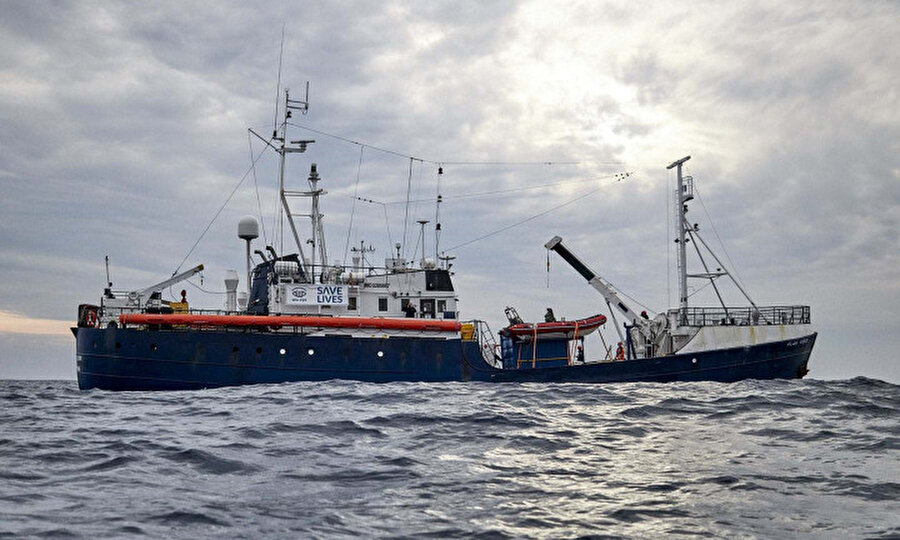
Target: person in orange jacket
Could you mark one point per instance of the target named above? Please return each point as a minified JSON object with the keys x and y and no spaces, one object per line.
{"x":620,"y":352}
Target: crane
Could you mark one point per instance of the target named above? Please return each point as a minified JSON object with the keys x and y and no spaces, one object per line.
{"x":171,"y":281}
{"x":597,"y":282}
{"x":651,"y":333}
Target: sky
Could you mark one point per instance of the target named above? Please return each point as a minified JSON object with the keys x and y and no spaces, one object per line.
{"x":125,"y":130}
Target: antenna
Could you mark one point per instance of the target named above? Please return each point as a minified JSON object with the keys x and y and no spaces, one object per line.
{"x":362,"y":250}
{"x":437,"y":213}
{"x":108,"y":282}
{"x":422,"y":223}
{"x":278,"y":85}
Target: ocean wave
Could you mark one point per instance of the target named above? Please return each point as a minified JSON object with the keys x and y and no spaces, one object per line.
{"x":755,"y":458}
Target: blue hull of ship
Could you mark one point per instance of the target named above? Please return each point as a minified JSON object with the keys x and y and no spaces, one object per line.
{"x":131,"y":359}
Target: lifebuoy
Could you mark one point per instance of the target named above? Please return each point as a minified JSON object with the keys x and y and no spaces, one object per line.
{"x":91,"y":319}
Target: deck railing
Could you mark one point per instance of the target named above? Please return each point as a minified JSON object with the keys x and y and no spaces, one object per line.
{"x":743,"y":316}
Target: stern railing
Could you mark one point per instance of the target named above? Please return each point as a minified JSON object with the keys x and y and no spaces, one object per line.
{"x":743,"y":316}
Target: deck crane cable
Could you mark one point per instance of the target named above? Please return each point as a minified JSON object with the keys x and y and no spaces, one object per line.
{"x":535,"y":216}
{"x":216,"y":216}
{"x":353,"y":208}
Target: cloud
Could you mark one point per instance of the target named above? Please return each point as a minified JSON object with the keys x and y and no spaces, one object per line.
{"x":16,"y":323}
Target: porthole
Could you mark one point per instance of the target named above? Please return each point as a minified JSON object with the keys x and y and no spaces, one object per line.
{"x":259,"y":350}
{"x":693,"y":360}
{"x":118,"y":345}
{"x":281,"y":352}
{"x":380,"y":354}
{"x":310,"y":352}
{"x":153,"y":347}
{"x":234,"y":349}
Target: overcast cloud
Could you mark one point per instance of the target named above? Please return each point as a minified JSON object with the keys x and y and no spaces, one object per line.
{"x":125,"y":129}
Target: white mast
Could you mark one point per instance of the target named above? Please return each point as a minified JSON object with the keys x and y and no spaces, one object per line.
{"x":422,"y":223}
{"x":437,"y":215}
{"x":303,"y":107}
{"x":682,"y":196}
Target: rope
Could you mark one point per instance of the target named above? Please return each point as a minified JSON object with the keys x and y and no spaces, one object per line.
{"x":532,"y":218}
{"x":233,"y":191}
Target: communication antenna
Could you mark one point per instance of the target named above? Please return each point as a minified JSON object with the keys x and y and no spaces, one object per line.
{"x":422,"y":223}
{"x":278,"y":85}
{"x":362,"y":250}
{"x":437,"y":214}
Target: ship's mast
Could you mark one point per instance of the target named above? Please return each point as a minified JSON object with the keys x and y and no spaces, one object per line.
{"x":298,"y":146}
{"x":682,"y":196}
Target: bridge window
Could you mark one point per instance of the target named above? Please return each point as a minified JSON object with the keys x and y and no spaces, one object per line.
{"x":438,"y":280}
{"x":382,"y":304}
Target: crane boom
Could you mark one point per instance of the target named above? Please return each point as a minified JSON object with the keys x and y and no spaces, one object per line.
{"x":597,"y":282}
{"x":172,"y":280}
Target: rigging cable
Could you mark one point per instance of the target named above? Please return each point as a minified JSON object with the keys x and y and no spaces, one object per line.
{"x":406,"y":214}
{"x":189,"y":282}
{"x":713,"y":227}
{"x":233,"y":191}
{"x":387,"y":223}
{"x":668,"y":245}
{"x":353,"y":208}
{"x":511,"y":190}
{"x":256,"y":186}
{"x":278,"y":84}
{"x":532,"y":218}
{"x":626,"y":295}
{"x":438,"y":162}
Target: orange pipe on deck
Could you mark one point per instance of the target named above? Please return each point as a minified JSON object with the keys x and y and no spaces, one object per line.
{"x":378,"y":323}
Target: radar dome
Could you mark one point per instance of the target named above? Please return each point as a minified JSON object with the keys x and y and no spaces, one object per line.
{"x":248,"y":228}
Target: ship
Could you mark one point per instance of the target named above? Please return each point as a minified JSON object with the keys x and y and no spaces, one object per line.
{"x":303,"y":319}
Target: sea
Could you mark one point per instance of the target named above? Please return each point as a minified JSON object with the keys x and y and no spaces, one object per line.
{"x":337,"y":459}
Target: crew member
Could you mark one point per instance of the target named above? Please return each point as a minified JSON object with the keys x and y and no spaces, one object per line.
{"x":620,"y":352}
{"x":409,"y":309}
{"x":579,"y":354}
{"x":549,"y":316}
